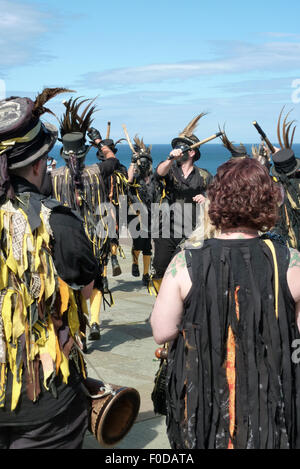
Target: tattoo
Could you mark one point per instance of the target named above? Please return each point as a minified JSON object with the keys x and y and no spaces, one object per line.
{"x":179,"y":262}
{"x":295,"y":258}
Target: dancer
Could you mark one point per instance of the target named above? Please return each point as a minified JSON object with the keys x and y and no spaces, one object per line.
{"x":82,"y":188}
{"x":142,"y":191}
{"x":182,"y":183}
{"x":47,"y":273}
{"x":228,"y":310}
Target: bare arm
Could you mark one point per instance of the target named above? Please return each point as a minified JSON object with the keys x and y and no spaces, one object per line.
{"x":168,"y":307}
{"x":293,"y":278}
{"x":165,"y":166}
{"x":107,"y":152}
{"x":131,"y":172}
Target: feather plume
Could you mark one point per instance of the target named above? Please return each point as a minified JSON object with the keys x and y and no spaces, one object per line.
{"x":43,"y":97}
{"x":140,"y":145}
{"x":72,"y":120}
{"x":189,"y":129}
{"x":285,"y":141}
{"x":234,"y":150}
{"x":225,"y":140}
{"x":255,"y":151}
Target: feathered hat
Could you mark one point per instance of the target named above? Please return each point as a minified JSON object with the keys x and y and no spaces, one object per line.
{"x":74,"y":126}
{"x":236,"y":151}
{"x":24,"y":138}
{"x":141,"y":149}
{"x":143,"y":152}
{"x":285,"y":162}
{"x":187,"y":137}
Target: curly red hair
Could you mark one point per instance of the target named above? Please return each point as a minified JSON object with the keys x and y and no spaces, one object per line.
{"x":243,"y":194}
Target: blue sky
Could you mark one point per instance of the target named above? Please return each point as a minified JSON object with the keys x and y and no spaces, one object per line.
{"x":154,"y":65}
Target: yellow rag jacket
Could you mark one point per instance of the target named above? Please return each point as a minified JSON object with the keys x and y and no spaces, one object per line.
{"x":34,"y":304}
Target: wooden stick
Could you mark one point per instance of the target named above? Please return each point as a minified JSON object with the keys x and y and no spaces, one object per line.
{"x":198,"y":144}
{"x":263,"y":136}
{"x":128,"y":139}
{"x":208,"y":139}
{"x":108,"y":130}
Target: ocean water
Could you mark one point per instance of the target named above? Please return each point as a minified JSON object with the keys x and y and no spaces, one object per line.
{"x":212,"y":155}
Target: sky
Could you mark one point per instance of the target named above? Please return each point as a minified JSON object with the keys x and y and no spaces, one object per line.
{"x":154,"y":65}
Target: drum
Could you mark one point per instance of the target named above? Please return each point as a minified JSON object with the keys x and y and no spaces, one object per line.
{"x":114,"y":410}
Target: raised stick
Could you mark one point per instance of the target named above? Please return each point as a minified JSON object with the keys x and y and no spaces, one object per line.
{"x":108,"y":130}
{"x":208,"y":139}
{"x":198,"y":144}
{"x":263,"y":136}
{"x":128,"y":139}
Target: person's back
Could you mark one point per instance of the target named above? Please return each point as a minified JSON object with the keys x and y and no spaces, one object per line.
{"x":235,"y":350}
{"x":47,"y":273}
{"x":231,"y":309}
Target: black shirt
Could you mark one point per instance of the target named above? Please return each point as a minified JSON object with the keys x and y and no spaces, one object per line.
{"x":179,"y":191}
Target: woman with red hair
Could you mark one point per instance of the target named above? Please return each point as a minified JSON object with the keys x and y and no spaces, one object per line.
{"x":230,"y":311}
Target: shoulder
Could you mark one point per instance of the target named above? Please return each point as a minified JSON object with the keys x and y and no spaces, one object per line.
{"x":293,"y":274}
{"x":58,"y":171}
{"x":294,"y":259}
{"x":207,"y":176}
{"x":61,"y":214}
{"x":177,"y":264}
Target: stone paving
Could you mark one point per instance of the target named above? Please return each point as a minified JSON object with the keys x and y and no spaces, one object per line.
{"x":125,"y":355}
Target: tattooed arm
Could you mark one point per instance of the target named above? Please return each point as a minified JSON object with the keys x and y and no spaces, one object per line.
{"x":293,"y":278}
{"x":168,"y":307}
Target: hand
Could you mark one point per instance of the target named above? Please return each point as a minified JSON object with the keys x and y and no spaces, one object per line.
{"x":94,"y":134}
{"x":199,"y":199}
{"x":176,"y":154}
{"x":276,"y":150}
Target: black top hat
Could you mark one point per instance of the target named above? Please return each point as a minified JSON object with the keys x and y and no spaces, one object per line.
{"x":74,"y":144}
{"x":285,"y":163}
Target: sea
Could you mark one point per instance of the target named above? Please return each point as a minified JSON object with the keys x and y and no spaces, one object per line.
{"x":212,"y":155}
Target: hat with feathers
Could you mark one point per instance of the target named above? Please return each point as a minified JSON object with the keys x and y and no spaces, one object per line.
{"x":24,"y":138}
{"x":236,"y":151}
{"x":187,"y":136}
{"x":285,"y":162}
{"x":74,"y":126}
{"x":141,"y":149}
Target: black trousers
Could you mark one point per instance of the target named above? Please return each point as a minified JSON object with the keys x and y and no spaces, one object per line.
{"x":142,"y":244}
{"x":164,"y":250}
{"x":64,"y":431}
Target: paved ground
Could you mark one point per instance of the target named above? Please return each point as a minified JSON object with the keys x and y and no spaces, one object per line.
{"x":125,"y":355}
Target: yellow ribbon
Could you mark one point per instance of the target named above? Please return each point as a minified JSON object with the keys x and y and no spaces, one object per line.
{"x":276,"y":277}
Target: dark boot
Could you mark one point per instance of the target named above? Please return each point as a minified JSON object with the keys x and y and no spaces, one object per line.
{"x":146,"y":279}
{"x":135,"y":270}
{"x":105,"y":284}
{"x":84,"y":347}
{"x":116,"y":269}
{"x":94,"y":332}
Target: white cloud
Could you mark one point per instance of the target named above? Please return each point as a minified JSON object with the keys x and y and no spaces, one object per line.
{"x":231,"y":57}
{"x":21,"y":26}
